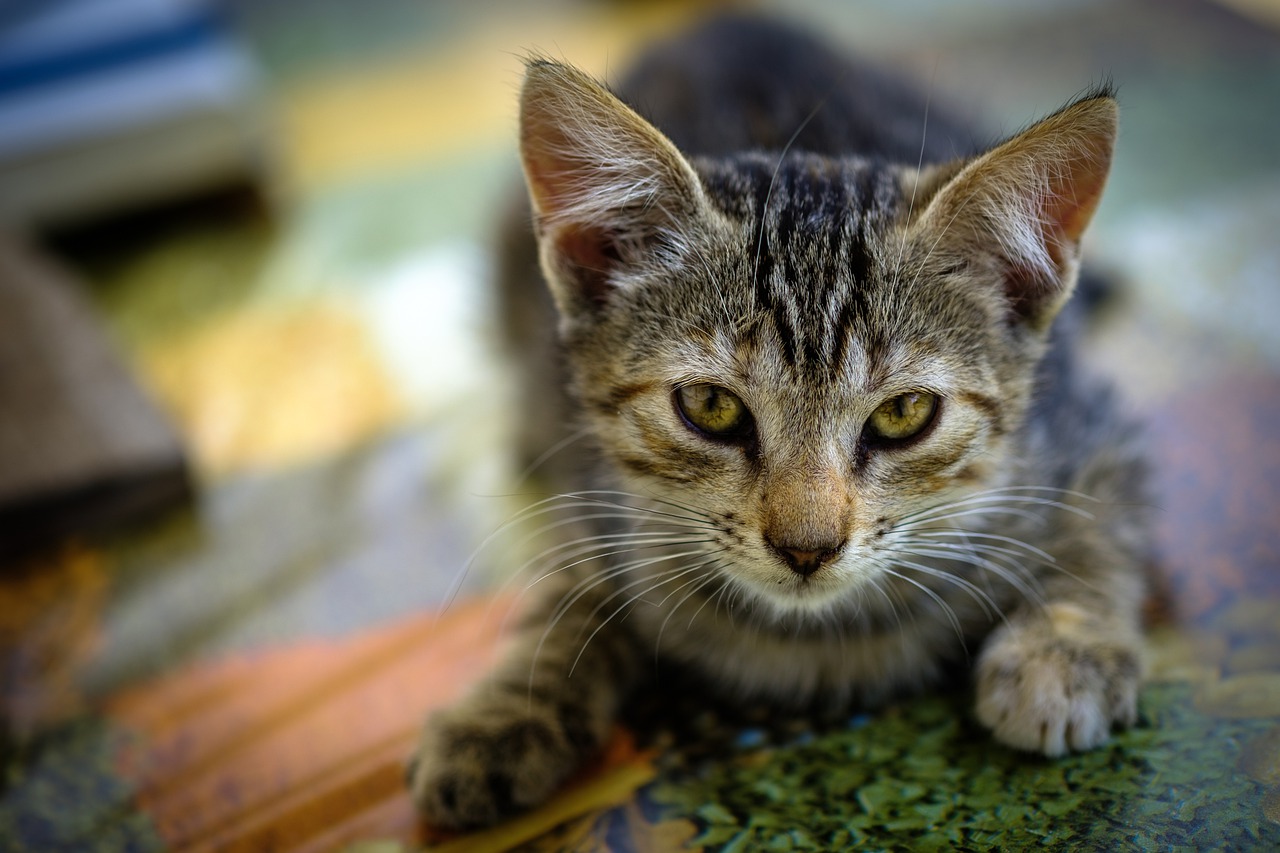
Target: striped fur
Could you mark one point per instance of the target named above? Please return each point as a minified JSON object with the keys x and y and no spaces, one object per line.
{"x":784,"y":231}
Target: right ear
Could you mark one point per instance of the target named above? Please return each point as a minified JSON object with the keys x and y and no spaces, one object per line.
{"x":608,"y":189}
{"x":1027,"y":203}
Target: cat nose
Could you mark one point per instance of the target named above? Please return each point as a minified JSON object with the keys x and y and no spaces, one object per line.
{"x":807,"y":559}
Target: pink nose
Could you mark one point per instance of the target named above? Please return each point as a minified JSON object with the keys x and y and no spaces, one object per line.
{"x":807,"y":559}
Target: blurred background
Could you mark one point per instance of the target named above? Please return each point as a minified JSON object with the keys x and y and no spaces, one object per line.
{"x":248,"y":387}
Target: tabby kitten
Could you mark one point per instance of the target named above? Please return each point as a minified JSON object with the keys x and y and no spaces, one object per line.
{"x":827,"y":435}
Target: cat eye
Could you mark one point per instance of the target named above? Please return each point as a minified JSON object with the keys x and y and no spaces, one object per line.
{"x":902,"y":417}
{"x":714,"y":411}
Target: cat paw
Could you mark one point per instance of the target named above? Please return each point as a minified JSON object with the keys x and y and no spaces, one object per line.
{"x":1057,"y":684}
{"x":477,"y":765}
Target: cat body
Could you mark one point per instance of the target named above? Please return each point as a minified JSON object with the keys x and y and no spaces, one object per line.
{"x":823,"y":439}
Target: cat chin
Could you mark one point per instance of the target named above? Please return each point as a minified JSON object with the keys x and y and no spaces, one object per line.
{"x":828,"y":595}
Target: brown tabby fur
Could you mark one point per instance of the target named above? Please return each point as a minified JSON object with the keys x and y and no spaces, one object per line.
{"x":793,"y":235}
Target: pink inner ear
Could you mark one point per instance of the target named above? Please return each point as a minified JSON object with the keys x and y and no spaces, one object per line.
{"x":559,"y":167}
{"x":550,"y":173}
{"x":1073,"y":198}
{"x":587,"y":256}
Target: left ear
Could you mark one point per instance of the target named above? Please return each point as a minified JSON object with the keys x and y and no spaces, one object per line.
{"x":1028,"y":201}
{"x":608,"y":189}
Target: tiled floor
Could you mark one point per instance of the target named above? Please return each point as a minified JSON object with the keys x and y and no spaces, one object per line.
{"x":250,"y":673}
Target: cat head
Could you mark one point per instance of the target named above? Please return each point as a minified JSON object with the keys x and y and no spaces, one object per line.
{"x":802,"y":351}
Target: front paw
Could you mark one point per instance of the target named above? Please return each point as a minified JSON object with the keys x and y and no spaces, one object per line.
{"x":1058,"y":683}
{"x":481,"y":762}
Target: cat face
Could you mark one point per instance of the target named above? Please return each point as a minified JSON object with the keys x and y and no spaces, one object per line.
{"x":802,"y":436}
{"x":789,"y":356}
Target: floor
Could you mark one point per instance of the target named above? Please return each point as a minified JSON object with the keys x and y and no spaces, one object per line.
{"x":249,"y":673}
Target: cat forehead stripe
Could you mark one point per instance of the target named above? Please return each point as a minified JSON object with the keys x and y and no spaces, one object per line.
{"x":814,"y":222}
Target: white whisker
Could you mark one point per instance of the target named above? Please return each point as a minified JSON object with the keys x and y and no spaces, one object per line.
{"x":710,"y":578}
{"x":1004,"y":496}
{"x":550,"y":452}
{"x":774,"y":179}
{"x":1030,"y":589}
{"x":966,"y":535}
{"x":664,"y":579}
{"x":583,"y":588}
{"x":915,"y":185}
{"x":984,"y":601}
{"x":937,"y":599}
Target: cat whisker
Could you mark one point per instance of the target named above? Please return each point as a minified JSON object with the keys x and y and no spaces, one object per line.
{"x":664,"y":579}
{"x":1027,"y":585}
{"x":992,"y":507}
{"x":670,"y":529}
{"x":637,"y":536}
{"x":572,"y":549}
{"x":773,"y":180}
{"x":575,"y":594}
{"x":938,"y":600}
{"x":915,"y":185}
{"x":681,"y":570}
{"x":1004,"y":556}
{"x":923,"y":522}
{"x":583,"y":587}
{"x":1013,"y":573}
{"x":556,"y":503}
{"x":531,"y":511}
{"x":992,"y":502}
{"x":695,"y":514}
{"x":1041,"y":556}
{"x":701,"y":583}
{"x":587,"y":553}
{"x":968,"y":535}
{"x":719,"y":593}
{"x":1015,"y":556}
{"x":890,"y":592}
{"x":987,"y":604}
{"x":1011,"y":493}
{"x":576,"y":500}
{"x":730,"y":597}
{"x":641,"y":514}
{"x":669,"y":595}
{"x":549,"y":453}
{"x":882,"y":564}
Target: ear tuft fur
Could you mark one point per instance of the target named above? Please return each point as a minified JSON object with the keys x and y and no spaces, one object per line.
{"x":1030,"y":199}
{"x":605,"y":184}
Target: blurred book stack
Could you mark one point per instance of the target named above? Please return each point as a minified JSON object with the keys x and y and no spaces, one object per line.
{"x":106,"y":106}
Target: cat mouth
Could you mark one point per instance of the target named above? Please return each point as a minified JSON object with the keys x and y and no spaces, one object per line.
{"x":797,"y":593}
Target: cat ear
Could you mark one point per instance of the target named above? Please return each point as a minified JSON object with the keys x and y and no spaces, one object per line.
{"x":1028,"y":201}
{"x":606,"y":186}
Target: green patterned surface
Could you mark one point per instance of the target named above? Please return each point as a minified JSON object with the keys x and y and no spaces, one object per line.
{"x":923,"y":776}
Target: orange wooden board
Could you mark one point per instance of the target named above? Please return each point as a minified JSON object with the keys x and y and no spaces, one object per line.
{"x":303,"y":747}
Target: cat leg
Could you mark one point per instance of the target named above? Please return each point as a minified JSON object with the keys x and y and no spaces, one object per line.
{"x":1064,"y":670}
{"x":514,"y":740}
{"x":1058,"y":680}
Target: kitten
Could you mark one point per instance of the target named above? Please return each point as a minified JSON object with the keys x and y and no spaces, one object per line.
{"x":831,"y":436}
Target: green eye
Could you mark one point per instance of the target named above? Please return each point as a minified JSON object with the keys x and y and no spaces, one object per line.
{"x":714,"y":411}
{"x":903,"y":416}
